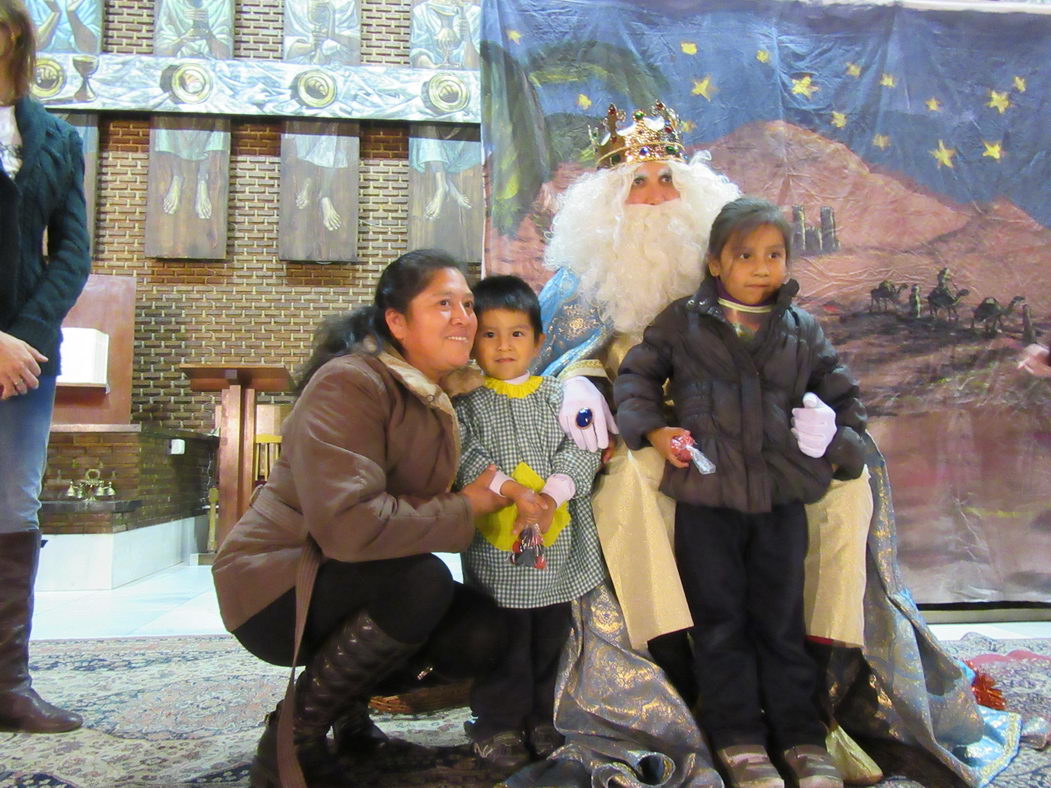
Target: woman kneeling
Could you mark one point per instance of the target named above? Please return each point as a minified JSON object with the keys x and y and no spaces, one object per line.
{"x":350,"y":515}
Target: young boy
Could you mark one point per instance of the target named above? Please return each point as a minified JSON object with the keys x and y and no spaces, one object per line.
{"x":747,"y":372}
{"x":512,"y":422}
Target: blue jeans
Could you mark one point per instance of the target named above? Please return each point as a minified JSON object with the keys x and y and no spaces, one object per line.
{"x":25,"y":426}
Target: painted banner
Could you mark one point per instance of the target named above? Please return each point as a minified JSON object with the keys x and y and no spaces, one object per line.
{"x":445,"y":160}
{"x":75,"y":29}
{"x":320,"y":159}
{"x":908,"y":146}
{"x":186,"y":204}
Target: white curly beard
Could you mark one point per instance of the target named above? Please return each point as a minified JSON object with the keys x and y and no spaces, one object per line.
{"x":635,"y":261}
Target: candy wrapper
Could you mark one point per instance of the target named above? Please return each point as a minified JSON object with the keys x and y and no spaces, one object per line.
{"x":686,"y":451}
{"x":528,"y":549}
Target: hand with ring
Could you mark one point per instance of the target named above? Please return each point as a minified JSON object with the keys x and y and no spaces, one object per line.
{"x":584,"y":416}
{"x":19,"y":366}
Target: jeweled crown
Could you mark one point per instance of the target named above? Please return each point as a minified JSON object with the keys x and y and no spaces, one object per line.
{"x":652,"y":136}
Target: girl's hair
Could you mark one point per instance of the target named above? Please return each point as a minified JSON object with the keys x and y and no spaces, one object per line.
{"x":739,"y":217}
{"x":400,"y":282}
{"x":22,"y":58}
{"x":511,"y":293}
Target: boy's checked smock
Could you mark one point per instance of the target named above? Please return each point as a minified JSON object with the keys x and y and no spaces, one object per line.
{"x":515,"y":427}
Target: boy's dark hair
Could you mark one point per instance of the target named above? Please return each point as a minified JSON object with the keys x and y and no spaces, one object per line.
{"x":508,"y":292}
{"x":739,"y":217}
{"x":400,"y":282}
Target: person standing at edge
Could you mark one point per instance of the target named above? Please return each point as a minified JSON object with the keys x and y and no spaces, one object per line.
{"x":41,"y":189}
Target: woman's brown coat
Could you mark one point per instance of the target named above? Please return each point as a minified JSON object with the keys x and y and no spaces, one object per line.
{"x":368,"y":456}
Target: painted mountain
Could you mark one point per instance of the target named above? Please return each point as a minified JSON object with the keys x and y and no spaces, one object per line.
{"x":965,"y":434}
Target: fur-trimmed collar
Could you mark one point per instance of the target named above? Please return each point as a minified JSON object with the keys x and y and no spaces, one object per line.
{"x":415,"y":381}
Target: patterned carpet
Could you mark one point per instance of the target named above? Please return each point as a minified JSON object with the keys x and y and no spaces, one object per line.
{"x":186,"y":711}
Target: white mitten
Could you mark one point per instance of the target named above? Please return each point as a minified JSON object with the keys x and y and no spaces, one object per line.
{"x":585,"y":417}
{"x":814,"y":425}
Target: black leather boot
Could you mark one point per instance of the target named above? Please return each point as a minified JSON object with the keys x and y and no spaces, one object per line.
{"x":355,"y":734}
{"x":21,"y":709}
{"x":340,"y":676}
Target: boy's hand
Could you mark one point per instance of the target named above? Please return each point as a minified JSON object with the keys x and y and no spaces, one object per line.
{"x":531,"y":507}
{"x":661,"y":438}
{"x":548,"y":515}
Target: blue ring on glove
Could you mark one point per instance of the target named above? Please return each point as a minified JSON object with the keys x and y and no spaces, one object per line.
{"x":585,"y":417}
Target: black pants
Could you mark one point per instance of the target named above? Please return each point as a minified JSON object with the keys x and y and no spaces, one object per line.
{"x":519,"y":693}
{"x":743,"y":578}
{"x":412,"y":599}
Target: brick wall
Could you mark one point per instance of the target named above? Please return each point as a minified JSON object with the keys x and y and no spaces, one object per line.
{"x":139,"y":467}
{"x":250,"y":307}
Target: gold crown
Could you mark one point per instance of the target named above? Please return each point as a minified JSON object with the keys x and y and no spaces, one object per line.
{"x":651,"y":137}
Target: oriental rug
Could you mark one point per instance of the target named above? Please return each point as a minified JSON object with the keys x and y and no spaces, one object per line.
{"x":169,"y":712}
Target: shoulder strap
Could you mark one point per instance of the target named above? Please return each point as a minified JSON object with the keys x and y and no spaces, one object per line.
{"x":290,"y":773}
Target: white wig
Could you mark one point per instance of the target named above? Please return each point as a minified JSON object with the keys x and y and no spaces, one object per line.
{"x":633,"y":260}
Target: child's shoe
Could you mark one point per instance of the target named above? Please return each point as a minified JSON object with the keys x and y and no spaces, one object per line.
{"x":505,"y":751}
{"x":748,"y":766}
{"x":812,"y":767}
{"x":545,"y":739}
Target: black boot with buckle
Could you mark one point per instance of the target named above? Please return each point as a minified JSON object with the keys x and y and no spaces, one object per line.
{"x":340,"y":676}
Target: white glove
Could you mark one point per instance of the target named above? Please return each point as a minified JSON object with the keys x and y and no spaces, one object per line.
{"x":578,"y":394}
{"x":1035,"y":361}
{"x":814,"y":425}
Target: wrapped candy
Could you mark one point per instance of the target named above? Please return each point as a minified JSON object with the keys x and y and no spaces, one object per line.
{"x":528,"y":549}
{"x":686,"y":451}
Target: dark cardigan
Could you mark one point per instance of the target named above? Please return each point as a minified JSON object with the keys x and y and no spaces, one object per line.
{"x":47,"y":193}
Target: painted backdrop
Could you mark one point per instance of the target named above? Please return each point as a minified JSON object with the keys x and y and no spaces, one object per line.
{"x":909,"y":148}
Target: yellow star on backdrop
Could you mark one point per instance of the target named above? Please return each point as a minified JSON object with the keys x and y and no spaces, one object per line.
{"x":514,"y":35}
{"x":933,"y":105}
{"x":881,"y":141}
{"x":999,"y":101}
{"x":804,"y":86}
{"x":943,"y":155}
{"x":888,"y":81}
{"x":762,"y":56}
{"x":1019,"y":83}
{"x":853,"y":70}
{"x":689,"y":47}
{"x":839,"y":119}
{"x":687,"y":125}
{"x":993,"y":150}
{"x":583,"y":101}
{"x":704,"y":87}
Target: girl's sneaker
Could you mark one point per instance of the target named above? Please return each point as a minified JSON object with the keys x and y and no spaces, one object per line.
{"x":748,"y":766}
{"x":545,"y":739}
{"x":505,"y":750}
{"x":812,"y":767}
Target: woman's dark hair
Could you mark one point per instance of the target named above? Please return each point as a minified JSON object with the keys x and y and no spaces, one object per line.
{"x":22,"y":58}
{"x":511,"y":293}
{"x":739,"y":217}
{"x":400,"y":282}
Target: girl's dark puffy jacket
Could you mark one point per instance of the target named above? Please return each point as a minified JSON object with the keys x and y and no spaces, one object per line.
{"x":736,"y":400}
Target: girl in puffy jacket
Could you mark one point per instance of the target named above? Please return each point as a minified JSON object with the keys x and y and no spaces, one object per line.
{"x":762,"y":394}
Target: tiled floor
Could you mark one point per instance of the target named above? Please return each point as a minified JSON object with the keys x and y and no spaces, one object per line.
{"x":181,"y":601}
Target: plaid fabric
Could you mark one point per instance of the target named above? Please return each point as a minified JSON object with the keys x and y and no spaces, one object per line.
{"x":501,"y":430}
